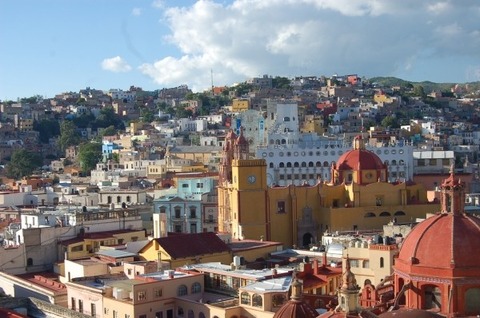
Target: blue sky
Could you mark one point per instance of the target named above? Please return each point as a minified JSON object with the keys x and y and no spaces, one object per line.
{"x":53,"y":46}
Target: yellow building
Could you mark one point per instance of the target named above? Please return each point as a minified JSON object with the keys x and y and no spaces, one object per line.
{"x":358,"y":197}
{"x":240,"y":105}
{"x":313,"y":124}
{"x":179,"y":250}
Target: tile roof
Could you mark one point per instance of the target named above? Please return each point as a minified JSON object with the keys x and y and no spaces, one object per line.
{"x":189,"y":245}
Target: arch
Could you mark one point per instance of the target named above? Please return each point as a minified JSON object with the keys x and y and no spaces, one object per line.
{"x":190,"y":314}
{"x":196,"y":288}
{"x":472,"y":305}
{"x":432,"y":297}
{"x":201,"y":315}
{"x":369,"y":215}
{"x":385,"y":213}
{"x":281,"y":165}
{"x":182,"y":290}
{"x":307,"y":239}
{"x":257,"y":300}
{"x":318,"y":164}
{"x":271,"y":165}
{"x":289,"y":164}
{"x":311,"y":164}
{"x":399,"y":213}
{"x":386,"y":162}
{"x":326,"y":164}
{"x":272,"y":141}
{"x":303,"y":164}
{"x":284,"y":141}
{"x":296,"y":165}
{"x":245,"y":298}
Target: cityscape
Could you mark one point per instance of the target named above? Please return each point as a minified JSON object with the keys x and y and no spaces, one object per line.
{"x":305,"y":196}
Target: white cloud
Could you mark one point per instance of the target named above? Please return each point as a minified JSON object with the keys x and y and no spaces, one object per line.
{"x":159,"y":4}
{"x":136,"y":12}
{"x":115,"y":64}
{"x":310,"y":37}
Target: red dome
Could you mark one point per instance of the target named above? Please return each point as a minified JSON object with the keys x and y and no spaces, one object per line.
{"x":296,"y":308}
{"x":447,"y":243}
{"x":359,"y":159}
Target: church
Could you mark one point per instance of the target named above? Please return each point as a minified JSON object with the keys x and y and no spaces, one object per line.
{"x":357,"y":197}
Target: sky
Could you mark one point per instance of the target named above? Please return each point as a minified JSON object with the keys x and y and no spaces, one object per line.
{"x":54,"y":46}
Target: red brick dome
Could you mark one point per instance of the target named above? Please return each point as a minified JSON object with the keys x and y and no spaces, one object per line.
{"x":359,"y":158}
{"x":446,"y":242}
{"x":296,"y":307}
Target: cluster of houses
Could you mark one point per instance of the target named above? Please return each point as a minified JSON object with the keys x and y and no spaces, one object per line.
{"x":138,"y":236}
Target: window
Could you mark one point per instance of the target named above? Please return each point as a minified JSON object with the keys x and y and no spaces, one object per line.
{"x":80,"y":305}
{"x":432,"y":162}
{"x":199,"y":185}
{"x":182,"y":290}
{"x":366,"y":263}
{"x":184,"y":185}
{"x":193,"y":212}
{"x":77,"y":248}
{"x":73,"y":304}
{"x":115,"y":314}
{"x":354,"y":262}
{"x":180,"y":311}
{"x":93,"y":309}
{"x":128,"y":198}
{"x":280,"y":206}
{"x":29,"y":261}
{"x":159,"y":314}
{"x":245,"y":298}
{"x":196,"y":288}
{"x":178,"y":212}
{"x":142,"y":295}
{"x":421,"y":162}
{"x":119,"y":199}
{"x":381,"y":262}
{"x":385,"y":213}
{"x":157,"y":292}
{"x":163,"y":209}
{"x":257,"y":300}
{"x":142,"y":316}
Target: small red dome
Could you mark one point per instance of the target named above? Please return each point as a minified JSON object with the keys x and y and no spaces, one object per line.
{"x":359,"y":159}
{"x":294,"y":309}
{"x":446,"y":241}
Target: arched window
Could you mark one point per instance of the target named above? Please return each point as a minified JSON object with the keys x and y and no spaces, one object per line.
{"x":119,"y":199}
{"x":109,"y":199}
{"x":245,"y":298}
{"x":182,"y":290}
{"x":381,"y":262}
{"x":394,"y":162}
{"x":257,"y":300}
{"x":281,"y":165}
{"x":284,"y":141}
{"x":385,"y":213}
{"x":318,"y":164}
{"x":201,"y":315}
{"x":271,"y":164}
{"x":401,"y":162}
{"x":369,"y":215}
{"x":310,"y":164}
{"x":432,"y":297}
{"x":128,"y":198}
{"x":289,"y":164}
{"x":196,"y":288}
{"x":399,"y":213}
{"x":304,"y":164}
{"x":326,"y":164}
{"x":296,"y":165}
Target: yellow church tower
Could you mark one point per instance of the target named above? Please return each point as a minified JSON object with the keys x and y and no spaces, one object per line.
{"x":242,"y":191}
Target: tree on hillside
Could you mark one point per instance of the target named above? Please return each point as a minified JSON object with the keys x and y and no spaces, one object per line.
{"x":281,"y":82}
{"x":68,"y":135}
{"x":108,"y":117}
{"x":89,"y":154}
{"x":47,"y":129}
{"x":23,"y":163}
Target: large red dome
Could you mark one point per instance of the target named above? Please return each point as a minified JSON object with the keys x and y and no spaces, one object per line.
{"x":359,"y":159}
{"x":447,"y":243}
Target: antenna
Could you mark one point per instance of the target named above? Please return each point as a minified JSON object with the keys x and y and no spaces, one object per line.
{"x":211,"y":77}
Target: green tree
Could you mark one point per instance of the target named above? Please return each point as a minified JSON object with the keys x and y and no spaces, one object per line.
{"x":23,"y":163}
{"x":68,"y":135}
{"x":281,"y":82}
{"x":419,"y":91}
{"x":47,"y":129}
{"x":89,"y":154}
{"x":390,"y":121}
{"x":147,"y":115}
{"x":109,"y":131}
{"x":108,"y":117}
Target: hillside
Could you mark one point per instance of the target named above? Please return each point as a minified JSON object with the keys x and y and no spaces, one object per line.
{"x":427,"y":85}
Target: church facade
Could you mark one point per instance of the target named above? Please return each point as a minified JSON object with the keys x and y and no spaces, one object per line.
{"x":357,"y":197}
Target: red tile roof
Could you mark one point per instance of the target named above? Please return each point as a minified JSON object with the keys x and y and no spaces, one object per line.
{"x":189,"y":245}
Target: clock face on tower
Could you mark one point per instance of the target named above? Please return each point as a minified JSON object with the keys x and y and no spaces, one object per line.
{"x":251,"y":179}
